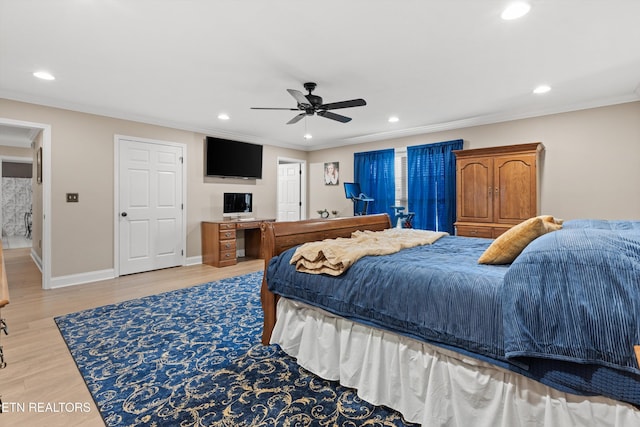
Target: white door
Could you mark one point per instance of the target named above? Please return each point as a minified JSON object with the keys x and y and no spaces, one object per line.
{"x":289,"y":199}
{"x":150,"y":206}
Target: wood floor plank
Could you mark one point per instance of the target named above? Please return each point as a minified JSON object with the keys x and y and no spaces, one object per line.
{"x":41,"y":380}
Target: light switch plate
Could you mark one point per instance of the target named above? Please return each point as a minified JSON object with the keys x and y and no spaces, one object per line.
{"x":72,"y":197}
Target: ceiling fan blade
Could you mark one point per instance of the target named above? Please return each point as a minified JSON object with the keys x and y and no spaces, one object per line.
{"x":343,"y":104}
{"x":300,"y":98}
{"x":296,"y":119}
{"x":269,"y":108}
{"x":334,"y":116}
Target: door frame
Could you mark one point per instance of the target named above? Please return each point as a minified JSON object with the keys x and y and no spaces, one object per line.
{"x":116,"y":194}
{"x":44,"y":263}
{"x":303,"y":183}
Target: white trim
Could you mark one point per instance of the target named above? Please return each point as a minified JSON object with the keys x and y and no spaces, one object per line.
{"x":116,"y":193}
{"x":365,"y":138}
{"x":82,"y":278}
{"x":303,"y":182}
{"x":194,"y":260}
{"x":36,"y":259}
{"x":45,"y":267}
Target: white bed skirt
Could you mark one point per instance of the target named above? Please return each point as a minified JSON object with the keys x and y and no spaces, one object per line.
{"x":428,"y":384}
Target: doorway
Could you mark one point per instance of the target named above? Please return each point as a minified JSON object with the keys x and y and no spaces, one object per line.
{"x":39,"y":139}
{"x":291,"y":189}
{"x":16,"y":215}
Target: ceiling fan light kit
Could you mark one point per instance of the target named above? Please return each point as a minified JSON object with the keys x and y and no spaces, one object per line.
{"x":311,"y":104}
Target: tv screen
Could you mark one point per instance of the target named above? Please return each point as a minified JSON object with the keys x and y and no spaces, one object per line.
{"x":236,"y":203}
{"x":227,"y":158}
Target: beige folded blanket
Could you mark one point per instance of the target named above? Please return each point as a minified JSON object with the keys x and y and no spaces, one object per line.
{"x":335,"y":256}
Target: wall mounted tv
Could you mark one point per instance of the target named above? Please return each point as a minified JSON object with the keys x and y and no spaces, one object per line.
{"x":233,"y":159}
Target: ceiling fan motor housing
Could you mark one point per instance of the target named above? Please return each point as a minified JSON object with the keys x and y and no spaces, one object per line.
{"x":315,"y":100}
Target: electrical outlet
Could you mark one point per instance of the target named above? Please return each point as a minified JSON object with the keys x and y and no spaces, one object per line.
{"x":72,"y":197}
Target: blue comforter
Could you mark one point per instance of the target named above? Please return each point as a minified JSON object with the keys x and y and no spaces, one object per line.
{"x":434,"y":292}
{"x":566,"y":312}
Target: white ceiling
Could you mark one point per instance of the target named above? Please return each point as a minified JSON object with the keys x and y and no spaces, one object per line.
{"x":435,"y":64}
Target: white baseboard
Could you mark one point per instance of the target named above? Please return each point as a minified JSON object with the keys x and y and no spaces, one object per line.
{"x":92,"y":276}
{"x":82,"y":278}
{"x":194,"y":260}
{"x":36,"y":259}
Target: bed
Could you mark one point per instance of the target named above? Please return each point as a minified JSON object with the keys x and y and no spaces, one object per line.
{"x":548,"y":340}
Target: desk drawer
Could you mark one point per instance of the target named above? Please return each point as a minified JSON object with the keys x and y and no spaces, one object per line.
{"x":227,"y":245}
{"x":227,"y":258}
{"x":248,"y":225}
{"x":227,"y":234}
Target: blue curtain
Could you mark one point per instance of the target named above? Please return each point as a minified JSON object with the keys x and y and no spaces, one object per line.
{"x":432,"y":185}
{"x":374,"y":171}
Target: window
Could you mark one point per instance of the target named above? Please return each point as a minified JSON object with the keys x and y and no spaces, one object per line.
{"x":401,"y":177}
{"x":431,"y":184}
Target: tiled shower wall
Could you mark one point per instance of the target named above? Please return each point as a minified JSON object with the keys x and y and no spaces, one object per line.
{"x":16,"y":202}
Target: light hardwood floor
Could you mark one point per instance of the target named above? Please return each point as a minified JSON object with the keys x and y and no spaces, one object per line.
{"x":40,"y":372}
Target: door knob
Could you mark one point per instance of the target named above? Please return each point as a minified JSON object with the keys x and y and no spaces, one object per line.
{"x":123,"y":214}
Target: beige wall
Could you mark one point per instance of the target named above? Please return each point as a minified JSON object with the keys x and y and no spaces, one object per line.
{"x":8,"y":151}
{"x":82,"y":156}
{"x":590,"y":167}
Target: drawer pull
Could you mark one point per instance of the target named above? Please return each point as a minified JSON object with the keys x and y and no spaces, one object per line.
{"x":227,"y":234}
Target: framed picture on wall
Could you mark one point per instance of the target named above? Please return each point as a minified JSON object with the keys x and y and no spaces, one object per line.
{"x":331,"y":173}
{"x":39,"y":165}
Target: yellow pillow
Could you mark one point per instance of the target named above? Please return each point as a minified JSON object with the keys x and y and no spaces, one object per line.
{"x":508,"y":245}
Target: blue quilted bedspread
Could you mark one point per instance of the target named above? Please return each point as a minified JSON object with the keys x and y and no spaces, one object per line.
{"x":566,"y":312}
{"x":575,"y":295}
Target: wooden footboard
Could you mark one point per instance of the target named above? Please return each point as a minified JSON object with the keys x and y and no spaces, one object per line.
{"x":277,"y":237}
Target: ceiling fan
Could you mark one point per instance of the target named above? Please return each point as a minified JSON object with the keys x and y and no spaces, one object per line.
{"x":312,"y":104}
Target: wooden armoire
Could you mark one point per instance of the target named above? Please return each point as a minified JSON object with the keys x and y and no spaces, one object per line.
{"x":496,"y":188}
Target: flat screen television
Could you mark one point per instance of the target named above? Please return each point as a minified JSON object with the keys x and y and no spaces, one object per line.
{"x":236,"y":204}
{"x":233,"y":159}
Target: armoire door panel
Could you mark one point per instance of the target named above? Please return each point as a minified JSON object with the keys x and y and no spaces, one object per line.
{"x":475,"y":190}
{"x":515,"y":192}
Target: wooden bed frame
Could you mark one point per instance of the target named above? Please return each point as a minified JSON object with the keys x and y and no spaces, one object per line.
{"x":277,"y":237}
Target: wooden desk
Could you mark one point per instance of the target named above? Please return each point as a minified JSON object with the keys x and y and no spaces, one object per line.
{"x":219,"y":240}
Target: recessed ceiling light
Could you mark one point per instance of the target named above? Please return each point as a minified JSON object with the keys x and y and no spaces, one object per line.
{"x":393,"y":119}
{"x":44,"y":75}
{"x":515,"y":10}
{"x":308,"y":136}
{"x":542,"y":89}
{"x":223,"y":116}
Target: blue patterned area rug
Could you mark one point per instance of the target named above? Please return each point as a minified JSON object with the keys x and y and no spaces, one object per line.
{"x":193,"y":357}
